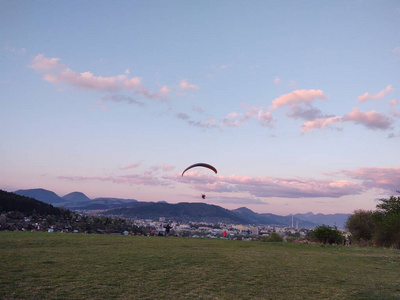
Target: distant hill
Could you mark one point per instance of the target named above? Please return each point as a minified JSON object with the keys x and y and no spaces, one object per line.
{"x":26,"y":205}
{"x":270,"y":219}
{"x":75,"y":200}
{"x":182,"y":212}
{"x":116,"y":200}
{"x":76,"y":197}
{"x":41,"y":195}
{"x":338,"y":220}
{"x":102,"y":203}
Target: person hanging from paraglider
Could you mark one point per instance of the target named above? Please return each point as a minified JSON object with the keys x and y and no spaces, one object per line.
{"x":203,"y":196}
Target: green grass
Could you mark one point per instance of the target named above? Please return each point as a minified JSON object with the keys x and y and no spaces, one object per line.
{"x":76,"y":266}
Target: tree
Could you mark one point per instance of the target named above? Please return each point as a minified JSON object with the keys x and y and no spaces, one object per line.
{"x":387,"y":222}
{"x":361,"y":226}
{"x":389,"y":206}
{"x":328,"y":235}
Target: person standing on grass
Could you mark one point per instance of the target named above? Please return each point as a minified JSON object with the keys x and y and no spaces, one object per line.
{"x":167,"y":229}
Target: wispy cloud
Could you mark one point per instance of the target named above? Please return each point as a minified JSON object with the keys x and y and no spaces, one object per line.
{"x":396,"y":51}
{"x":209,"y":123}
{"x":185,"y":85}
{"x":165,"y":168}
{"x":131,"y":166}
{"x":146,"y":179}
{"x":121,"y":98}
{"x":13,"y":49}
{"x":381,"y":94}
{"x":296,"y":97}
{"x":235,"y":119}
{"x":198,"y":109}
{"x":393,"y":135}
{"x":56,"y":73}
{"x":393,"y":111}
{"x":44,"y":64}
{"x":320,"y":123}
{"x":183,"y":116}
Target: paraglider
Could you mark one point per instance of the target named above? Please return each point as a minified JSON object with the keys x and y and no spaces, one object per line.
{"x":201,"y":165}
{"x":204,"y":165}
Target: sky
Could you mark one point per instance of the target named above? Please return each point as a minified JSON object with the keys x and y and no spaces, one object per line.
{"x":295,"y":103}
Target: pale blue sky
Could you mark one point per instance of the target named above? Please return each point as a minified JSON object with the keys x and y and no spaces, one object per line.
{"x":296,"y":103}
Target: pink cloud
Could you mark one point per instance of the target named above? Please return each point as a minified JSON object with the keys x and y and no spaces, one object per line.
{"x":387,"y":179}
{"x":371,"y":119}
{"x":277,"y":80}
{"x":135,"y":179}
{"x":381,"y":94}
{"x":141,"y":179}
{"x":234,"y":119}
{"x":86,"y":178}
{"x":131,"y":166}
{"x":187,"y":86}
{"x":43,"y":64}
{"x":165,"y":168}
{"x":393,"y":110}
{"x":320,"y":123}
{"x":56,"y":73}
{"x":265,"y":118}
{"x":296,"y":97}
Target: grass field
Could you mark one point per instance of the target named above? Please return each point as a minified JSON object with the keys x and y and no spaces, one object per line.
{"x":77,"y":266}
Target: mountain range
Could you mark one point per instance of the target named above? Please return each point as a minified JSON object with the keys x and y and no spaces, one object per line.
{"x":183,"y":212}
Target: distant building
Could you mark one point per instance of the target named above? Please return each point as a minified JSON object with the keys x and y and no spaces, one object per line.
{"x":254,"y":230}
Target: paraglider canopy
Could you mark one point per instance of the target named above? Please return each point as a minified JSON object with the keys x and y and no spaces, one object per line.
{"x":201,"y":165}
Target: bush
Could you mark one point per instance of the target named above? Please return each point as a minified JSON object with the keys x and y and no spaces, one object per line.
{"x":274,"y":237}
{"x":328,"y":235}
